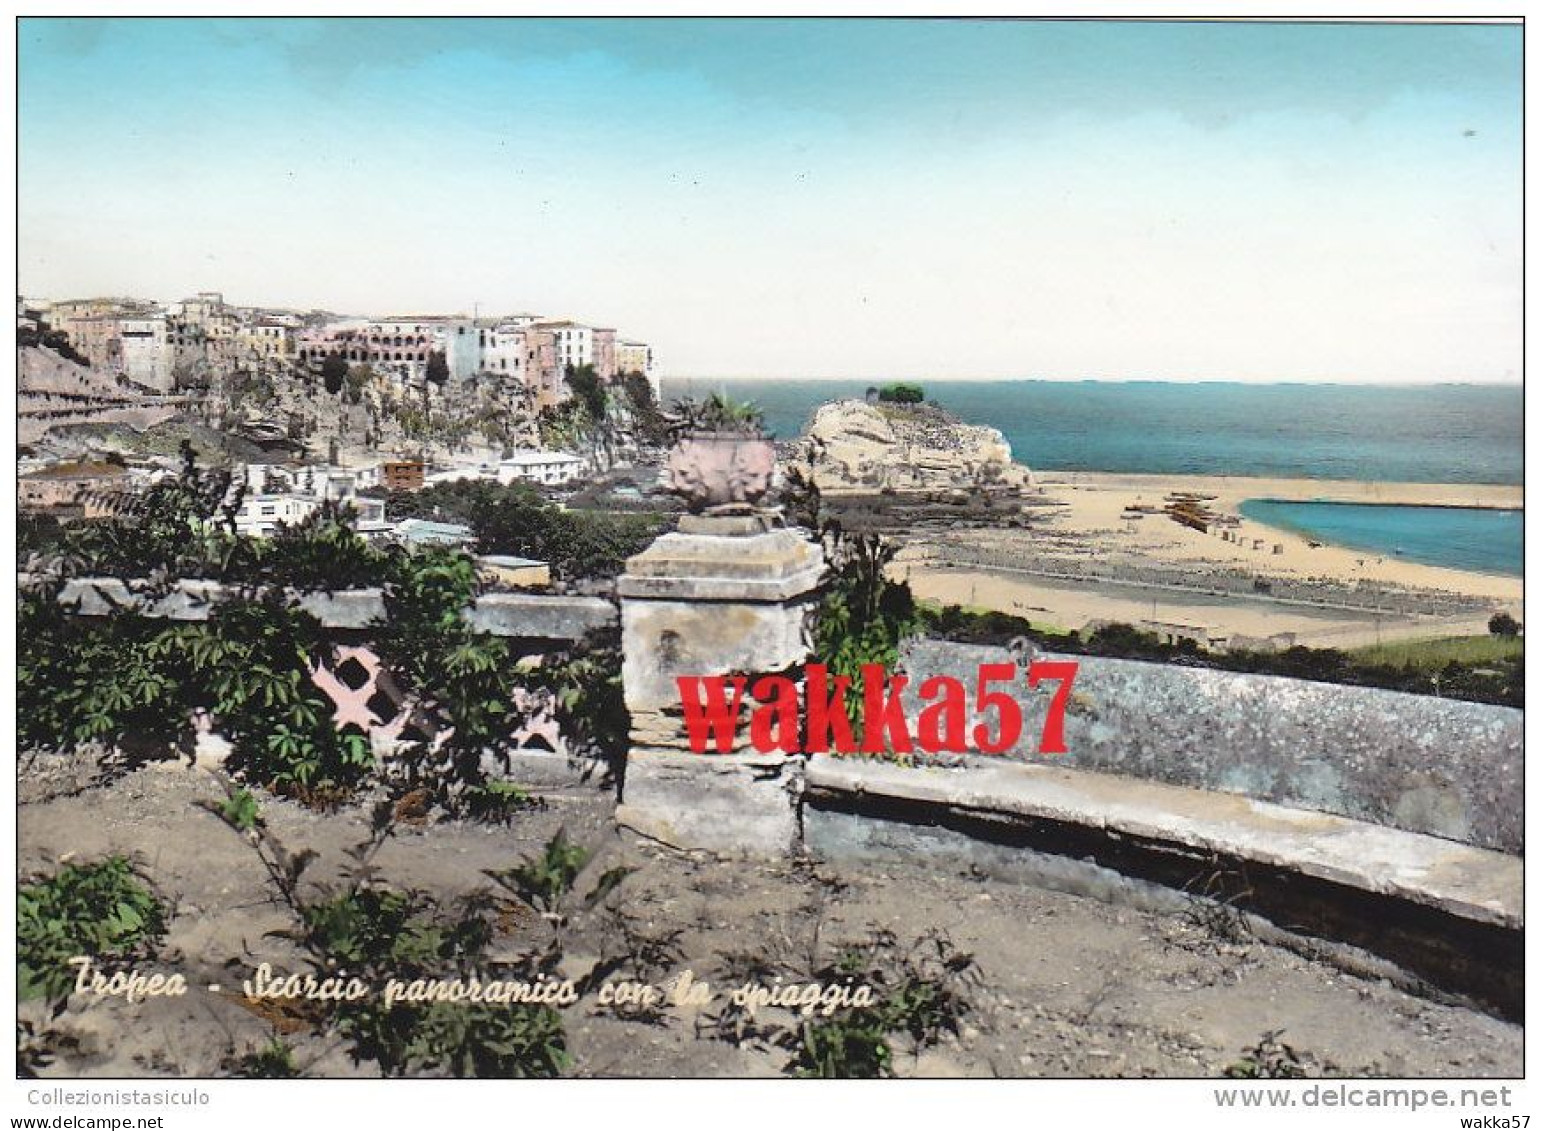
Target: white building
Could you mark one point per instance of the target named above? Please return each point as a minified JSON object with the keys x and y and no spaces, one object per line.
{"x":422,"y":531}
{"x":460,"y":474}
{"x":290,"y":495}
{"x":459,"y":340}
{"x":503,"y":350}
{"x":324,"y":481}
{"x":147,"y":351}
{"x":549,"y":469}
{"x":261,"y":515}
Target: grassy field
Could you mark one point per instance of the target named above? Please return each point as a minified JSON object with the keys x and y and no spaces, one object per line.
{"x":1431,"y":655}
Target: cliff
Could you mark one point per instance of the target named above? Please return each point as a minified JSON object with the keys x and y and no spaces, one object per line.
{"x":853,"y":446}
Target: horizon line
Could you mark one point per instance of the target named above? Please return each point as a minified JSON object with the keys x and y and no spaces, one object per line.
{"x":1518,"y":383}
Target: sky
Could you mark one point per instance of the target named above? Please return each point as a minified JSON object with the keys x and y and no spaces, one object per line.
{"x":855,"y":198}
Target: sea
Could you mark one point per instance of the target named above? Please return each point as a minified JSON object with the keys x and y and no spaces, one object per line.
{"x":1385,"y":433}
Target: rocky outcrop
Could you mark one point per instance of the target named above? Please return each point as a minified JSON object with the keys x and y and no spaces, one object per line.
{"x":54,"y":392}
{"x":853,"y":446}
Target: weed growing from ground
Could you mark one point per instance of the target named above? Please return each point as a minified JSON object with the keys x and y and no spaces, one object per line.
{"x":371,"y":932}
{"x":1269,"y":1059}
{"x":273,"y":1061}
{"x":542,"y":882}
{"x":99,"y":910}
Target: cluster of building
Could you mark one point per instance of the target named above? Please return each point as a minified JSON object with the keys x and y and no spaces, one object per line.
{"x":153,"y":345}
{"x":277,"y":495}
{"x":285,"y":495}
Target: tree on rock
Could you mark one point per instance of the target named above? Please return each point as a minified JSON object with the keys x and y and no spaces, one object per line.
{"x":901,"y":392}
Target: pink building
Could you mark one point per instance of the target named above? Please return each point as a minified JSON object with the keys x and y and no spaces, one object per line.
{"x":604,"y":354}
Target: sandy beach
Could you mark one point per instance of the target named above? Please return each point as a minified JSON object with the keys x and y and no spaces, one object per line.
{"x":1087,"y":560}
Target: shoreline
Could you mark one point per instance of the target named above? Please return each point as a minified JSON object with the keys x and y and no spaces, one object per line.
{"x":1409,"y":506}
{"x":1468,"y":496}
{"x":1089,"y":532}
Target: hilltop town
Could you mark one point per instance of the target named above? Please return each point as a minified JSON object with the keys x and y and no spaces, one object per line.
{"x":309,"y":408}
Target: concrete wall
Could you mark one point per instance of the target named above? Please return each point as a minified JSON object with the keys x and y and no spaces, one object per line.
{"x":1427,"y":765}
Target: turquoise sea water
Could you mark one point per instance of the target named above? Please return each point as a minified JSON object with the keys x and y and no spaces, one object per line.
{"x":1492,"y":541}
{"x":1396,"y":434}
{"x":1399,"y":434}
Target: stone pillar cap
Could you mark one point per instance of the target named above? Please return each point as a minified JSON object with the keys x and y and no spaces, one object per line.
{"x":776,"y":565}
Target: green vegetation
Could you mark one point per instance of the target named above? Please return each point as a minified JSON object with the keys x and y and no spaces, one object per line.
{"x":1273,"y":1059}
{"x":334,"y":373}
{"x":273,"y":1061}
{"x":901,"y":392}
{"x":589,"y":390}
{"x":863,"y":615}
{"x":543,"y":882}
{"x":99,"y":910}
{"x":132,"y":684}
{"x":1435,"y":655}
{"x":496,"y":801}
{"x":599,"y":415}
{"x":516,"y":519}
{"x":438,"y":368}
{"x":1502,"y":624}
{"x":647,"y":418}
{"x":920,"y":995}
{"x":240,"y":810}
{"x":1477,"y":669}
{"x":376,"y":934}
{"x":717,"y":413}
{"x":47,"y":338}
{"x":916,"y":994}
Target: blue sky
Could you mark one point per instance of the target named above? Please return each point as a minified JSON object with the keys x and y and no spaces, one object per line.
{"x":810,"y":197}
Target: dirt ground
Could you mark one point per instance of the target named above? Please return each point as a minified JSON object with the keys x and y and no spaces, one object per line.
{"x":1065,"y":986}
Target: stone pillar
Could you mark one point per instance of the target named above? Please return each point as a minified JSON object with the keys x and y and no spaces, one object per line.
{"x":726,"y":594}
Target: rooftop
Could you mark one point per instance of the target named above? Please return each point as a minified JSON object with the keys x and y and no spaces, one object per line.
{"x":525,"y":459}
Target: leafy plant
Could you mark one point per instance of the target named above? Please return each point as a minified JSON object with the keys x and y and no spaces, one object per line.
{"x":1269,"y":1059}
{"x":543,"y":881}
{"x":481,"y":1041}
{"x":717,"y":413}
{"x":863,"y":615}
{"x":251,"y":665}
{"x":1503,"y":624}
{"x":273,"y":1061}
{"x":240,"y":810}
{"x":496,"y":801}
{"x":918,"y":993}
{"x":376,"y":933}
{"x":902,"y":392}
{"x":99,"y":910}
{"x":853,"y":1046}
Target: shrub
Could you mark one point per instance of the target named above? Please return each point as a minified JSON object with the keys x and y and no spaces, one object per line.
{"x":273,"y":1061}
{"x":543,"y":881}
{"x":900,"y":392}
{"x":921,"y":993}
{"x":375,"y":933}
{"x":1502,"y":624}
{"x":516,"y":519}
{"x":99,"y":910}
{"x":717,"y":413}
